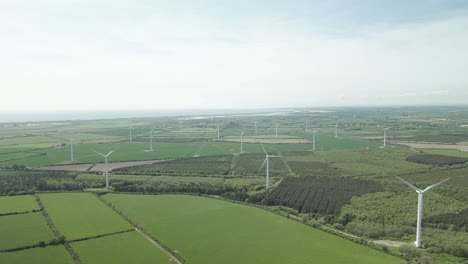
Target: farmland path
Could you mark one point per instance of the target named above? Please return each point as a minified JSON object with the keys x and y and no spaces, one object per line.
{"x":159,"y":246}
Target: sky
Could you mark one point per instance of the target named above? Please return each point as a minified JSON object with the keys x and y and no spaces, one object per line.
{"x":87,"y":55}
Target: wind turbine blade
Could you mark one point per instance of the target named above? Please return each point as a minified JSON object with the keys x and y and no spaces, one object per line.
{"x":409,"y":184}
{"x":275,"y":156}
{"x":436,"y":184}
{"x":112,"y":151}
{"x":98,"y":153}
{"x":263,"y":164}
{"x":264,"y":151}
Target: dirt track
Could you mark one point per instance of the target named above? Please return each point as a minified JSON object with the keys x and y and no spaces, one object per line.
{"x":431,"y":145}
{"x":269,"y":140}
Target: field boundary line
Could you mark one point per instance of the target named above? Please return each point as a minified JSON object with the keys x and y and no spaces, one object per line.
{"x":103,"y":235}
{"x":55,"y":231}
{"x":19,"y":213}
{"x":232,"y":166}
{"x":170,"y":252}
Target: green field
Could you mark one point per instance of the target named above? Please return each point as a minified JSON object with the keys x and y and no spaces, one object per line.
{"x":49,"y":255}
{"x":80,"y":215}
{"x":447,"y":152}
{"x":15,"y":204}
{"x":131,"y":247}
{"x":23,"y":230}
{"x":205,"y":230}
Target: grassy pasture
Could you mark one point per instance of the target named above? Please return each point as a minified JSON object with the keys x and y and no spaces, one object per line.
{"x":80,"y":215}
{"x":130,"y":247}
{"x":208,"y":231}
{"x":23,"y":230}
{"x":13,"y":204}
{"x":447,"y":152}
{"x":49,"y":255}
{"x":26,"y":140}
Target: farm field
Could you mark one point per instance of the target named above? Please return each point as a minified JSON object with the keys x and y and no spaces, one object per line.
{"x":447,"y":152}
{"x":17,"y":204}
{"x":228,"y":229}
{"x":23,"y":230}
{"x":49,"y":255}
{"x":129,"y":247}
{"x":81,"y":215}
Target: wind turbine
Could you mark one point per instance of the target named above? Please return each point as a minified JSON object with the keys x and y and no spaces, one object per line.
{"x":314,"y":132}
{"x":130,"y":136}
{"x":151,"y":140}
{"x":242,"y":142}
{"x":276,"y":130}
{"x":71,"y":151}
{"x":420,"y":206}
{"x":267,"y":162}
{"x":107,"y":168}
{"x":385,"y":135}
{"x":255,"y":127}
{"x":218,"y":132}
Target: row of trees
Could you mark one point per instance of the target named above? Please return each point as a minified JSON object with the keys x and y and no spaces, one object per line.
{"x":319,"y":195}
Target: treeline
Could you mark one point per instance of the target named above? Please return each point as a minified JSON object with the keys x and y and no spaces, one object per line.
{"x":436,"y":159}
{"x":449,"y":220}
{"x":17,"y":182}
{"x":319,"y":195}
{"x":232,"y":192}
{"x":210,"y":165}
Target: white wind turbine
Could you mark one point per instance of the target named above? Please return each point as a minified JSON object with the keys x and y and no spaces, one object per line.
{"x":107,"y":168}
{"x":72,"y":159}
{"x":267,"y":162}
{"x":385,"y":135}
{"x":314,"y":132}
{"x":420,"y":206}
{"x":242,"y":142}
{"x":130,"y":136}
{"x":151,"y":140}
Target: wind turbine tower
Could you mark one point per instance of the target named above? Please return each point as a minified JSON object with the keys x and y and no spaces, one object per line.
{"x":420,"y":206}
{"x":107,"y":168}
{"x":385,"y":136}
{"x":242,"y":142}
{"x":276,"y":129}
{"x":267,"y":162}
{"x":314,"y":132}
{"x":151,"y":140}
{"x":256,"y":128}
{"x":71,"y":151}
{"x":130,"y":136}
{"x":218,"y":132}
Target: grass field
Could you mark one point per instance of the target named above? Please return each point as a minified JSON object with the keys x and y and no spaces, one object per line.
{"x":131,"y":247}
{"x":23,"y":230}
{"x":80,"y":215}
{"x":49,"y":255}
{"x":447,"y":152}
{"x":207,"y":231}
{"x":23,"y":203}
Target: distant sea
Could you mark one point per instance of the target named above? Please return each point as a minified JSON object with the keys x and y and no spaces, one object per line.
{"x":6,"y":117}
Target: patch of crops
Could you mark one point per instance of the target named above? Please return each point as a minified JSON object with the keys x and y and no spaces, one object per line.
{"x":209,"y":231}
{"x":49,"y":255}
{"x":442,"y":138}
{"x":436,"y":159}
{"x":18,"y":181}
{"x":23,"y":230}
{"x":303,"y":168}
{"x":81,"y":215}
{"x":458,"y":219}
{"x":249,"y":164}
{"x":214,"y":165}
{"x":17,"y":204}
{"x":129,"y":247}
{"x":319,"y":195}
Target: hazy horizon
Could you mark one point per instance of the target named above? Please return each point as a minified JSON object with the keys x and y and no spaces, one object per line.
{"x":104,"y":55}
